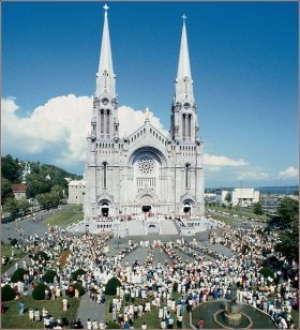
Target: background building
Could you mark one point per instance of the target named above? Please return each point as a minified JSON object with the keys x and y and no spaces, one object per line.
{"x":239,"y":196}
{"x":76,"y":192}
{"x":146,"y":170}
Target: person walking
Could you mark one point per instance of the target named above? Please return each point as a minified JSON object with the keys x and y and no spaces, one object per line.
{"x":21,"y":307}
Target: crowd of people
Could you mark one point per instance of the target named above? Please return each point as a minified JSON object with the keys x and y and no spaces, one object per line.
{"x":190,"y":269}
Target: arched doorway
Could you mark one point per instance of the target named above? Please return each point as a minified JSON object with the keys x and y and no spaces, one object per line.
{"x":146,"y":202}
{"x":104,"y":210}
{"x":187,"y":208}
{"x":146,"y":208}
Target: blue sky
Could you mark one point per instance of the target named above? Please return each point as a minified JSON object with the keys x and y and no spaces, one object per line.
{"x":244,"y":60}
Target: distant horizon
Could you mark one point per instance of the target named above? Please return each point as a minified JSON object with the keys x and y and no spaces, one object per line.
{"x":244,"y":61}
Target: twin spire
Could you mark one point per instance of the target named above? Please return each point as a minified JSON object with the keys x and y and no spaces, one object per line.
{"x":106,"y":76}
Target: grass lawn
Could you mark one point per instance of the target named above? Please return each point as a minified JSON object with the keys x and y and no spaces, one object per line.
{"x":6,"y":251}
{"x":151,"y":319}
{"x":11,"y":319}
{"x":65,"y":217}
{"x":244,"y":212}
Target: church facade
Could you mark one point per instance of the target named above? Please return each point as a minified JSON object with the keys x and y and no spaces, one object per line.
{"x":145,"y":171}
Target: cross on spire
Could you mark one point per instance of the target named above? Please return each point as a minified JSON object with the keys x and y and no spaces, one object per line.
{"x":184,"y":17}
{"x":105,"y":7}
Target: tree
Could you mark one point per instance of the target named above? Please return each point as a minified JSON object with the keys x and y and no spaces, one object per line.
{"x":257,"y":209}
{"x":288,"y":211}
{"x":14,"y":206}
{"x":289,"y":219}
{"x":6,"y":191}
{"x":10,"y":169}
{"x":228,"y":197}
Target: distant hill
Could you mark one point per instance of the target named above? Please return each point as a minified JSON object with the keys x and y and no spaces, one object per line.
{"x":279,"y":190}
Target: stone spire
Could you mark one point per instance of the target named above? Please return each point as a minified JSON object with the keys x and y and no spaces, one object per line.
{"x":184,"y":82}
{"x":105,"y":75}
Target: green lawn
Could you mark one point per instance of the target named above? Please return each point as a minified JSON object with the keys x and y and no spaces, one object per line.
{"x":65,"y":217}
{"x":11,"y":319}
{"x":151,"y":319}
{"x":6,"y":251}
{"x":244,"y":212}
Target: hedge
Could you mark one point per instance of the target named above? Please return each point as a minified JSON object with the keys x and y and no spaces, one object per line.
{"x":111,"y":286}
{"x":48,"y":277}
{"x":77,"y":273}
{"x":266,"y":272}
{"x":76,"y":286}
{"x":38,"y":292}
{"x":7,"y":293}
{"x":42,"y":255}
{"x":18,"y":275}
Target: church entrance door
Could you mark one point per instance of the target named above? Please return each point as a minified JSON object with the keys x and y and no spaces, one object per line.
{"x":146,"y":208}
{"x":104,"y":210}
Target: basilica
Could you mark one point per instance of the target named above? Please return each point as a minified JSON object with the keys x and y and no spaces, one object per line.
{"x":145,"y":171}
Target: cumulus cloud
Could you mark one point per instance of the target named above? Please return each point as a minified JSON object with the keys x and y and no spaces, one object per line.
{"x":289,"y":173}
{"x":253,"y":175}
{"x":57,"y":130}
{"x":215,"y":163}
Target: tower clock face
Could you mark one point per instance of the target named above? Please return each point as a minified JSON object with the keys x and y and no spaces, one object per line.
{"x":105,"y":101}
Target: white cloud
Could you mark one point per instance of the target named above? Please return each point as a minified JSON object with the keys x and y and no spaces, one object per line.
{"x":253,"y":175}
{"x":214,"y":163}
{"x":289,"y":173}
{"x":57,"y":130}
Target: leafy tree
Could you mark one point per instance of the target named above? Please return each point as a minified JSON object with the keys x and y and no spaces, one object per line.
{"x":228,"y":197}
{"x":14,"y":206}
{"x":6,"y":191}
{"x":257,"y":208}
{"x":289,"y":218}
{"x":288,"y":211}
{"x":10,"y":169}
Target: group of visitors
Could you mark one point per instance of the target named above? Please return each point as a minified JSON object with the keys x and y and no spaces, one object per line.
{"x":191,"y":269}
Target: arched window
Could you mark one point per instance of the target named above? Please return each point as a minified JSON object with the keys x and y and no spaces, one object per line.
{"x":104,"y":174}
{"x":187,"y":171}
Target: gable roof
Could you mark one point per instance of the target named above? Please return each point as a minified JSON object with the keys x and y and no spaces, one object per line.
{"x":19,"y":188}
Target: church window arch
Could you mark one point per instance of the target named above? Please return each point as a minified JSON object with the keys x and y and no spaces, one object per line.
{"x":104,"y":174}
{"x":187,"y":175}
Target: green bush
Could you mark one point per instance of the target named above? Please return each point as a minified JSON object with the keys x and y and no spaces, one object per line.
{"x":18,"y":275}
{"x":111,"y":286}
{"x":266,"y":272}
{"x":113,"y":325}
{"x":7,"y":293}
{"x":14,"y":241}
{"x":77,"y":273}
{"x":41,"y":255}
{"x":49,"y":276}
{"x":79,"y":287}
{"x":38,"y":292}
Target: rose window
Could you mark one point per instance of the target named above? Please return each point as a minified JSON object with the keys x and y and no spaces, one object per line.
{"x":146,"y":165}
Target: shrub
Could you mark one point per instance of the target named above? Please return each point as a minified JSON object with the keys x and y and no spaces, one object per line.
{"x":111,"y":286}
{"x":113,"y":325}
{"x":41,"y":255}
{"x":77,"y":273}
{"x":79,"y":287}
{"x":38,"y":292}
{"x":7,"y":293}
{"x":266,"y":272}
{"x":49,"y":276}
{"x":18,"y":275}
{"x":14,"y":241}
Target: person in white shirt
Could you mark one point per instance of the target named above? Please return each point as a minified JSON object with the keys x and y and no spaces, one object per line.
{"x":89,"y":324}
{"x":144,"y":326}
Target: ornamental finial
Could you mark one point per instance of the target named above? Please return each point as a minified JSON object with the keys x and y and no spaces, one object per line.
{"x":106,"y":9}
{"x":147,"y":112}
{"x":184,"y":17}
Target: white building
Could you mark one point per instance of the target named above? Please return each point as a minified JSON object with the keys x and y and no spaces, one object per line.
{"x":146,"y":170}
{"x":240,"y":196}
{"x":76,"y":192}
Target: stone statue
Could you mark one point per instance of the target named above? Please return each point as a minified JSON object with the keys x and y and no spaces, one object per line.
{"x":233,"y":291}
